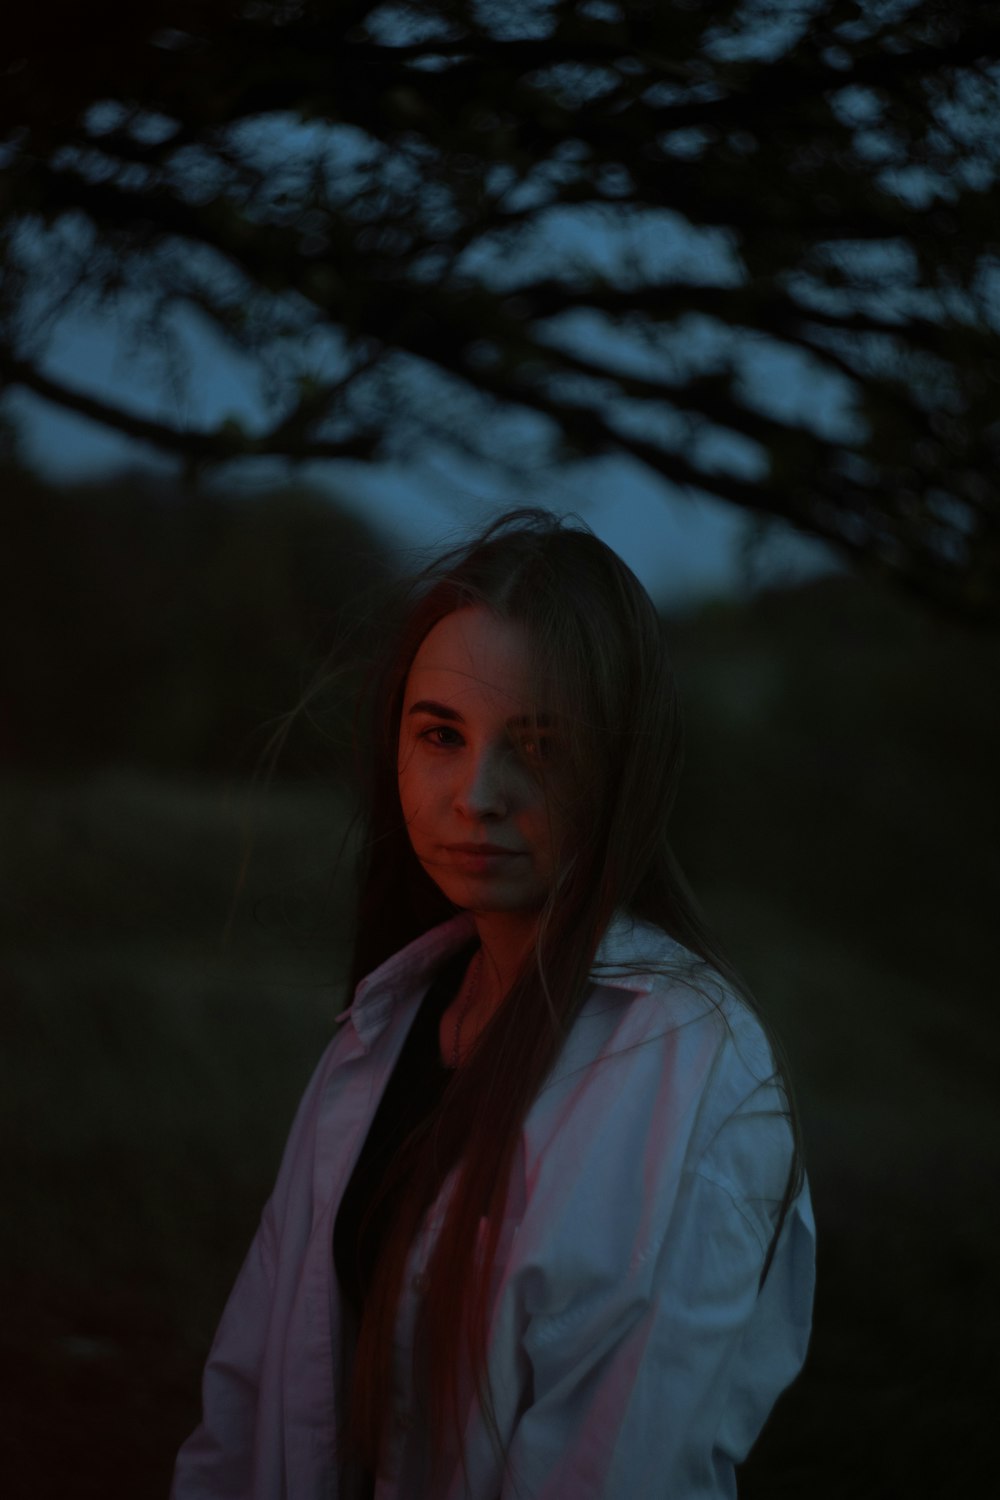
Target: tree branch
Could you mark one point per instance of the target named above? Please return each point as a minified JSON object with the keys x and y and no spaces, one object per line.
{"x":217,"y":446}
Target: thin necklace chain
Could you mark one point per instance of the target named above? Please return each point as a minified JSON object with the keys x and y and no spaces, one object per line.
{"x":475,"y":971}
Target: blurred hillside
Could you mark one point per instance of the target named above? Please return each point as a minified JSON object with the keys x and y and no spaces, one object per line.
{"x":846,"y":744}
{"x":152,"y":624}
{"x":841,"y":822}
{"x":173,"y":939}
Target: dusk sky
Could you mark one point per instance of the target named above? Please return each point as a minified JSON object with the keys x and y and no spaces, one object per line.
{"x":682,"y":548}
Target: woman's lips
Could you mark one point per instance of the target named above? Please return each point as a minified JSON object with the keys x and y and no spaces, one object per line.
{"x":482,"y":859}
{"x":481,"y":849}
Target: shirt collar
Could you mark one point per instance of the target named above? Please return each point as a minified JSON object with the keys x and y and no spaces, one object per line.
{"x":617,"y":962}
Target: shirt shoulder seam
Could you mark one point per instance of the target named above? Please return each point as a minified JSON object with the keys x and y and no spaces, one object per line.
{"x":708,"y":1174}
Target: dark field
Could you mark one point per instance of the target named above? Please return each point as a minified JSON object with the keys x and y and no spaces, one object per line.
{"x":840,"y":825}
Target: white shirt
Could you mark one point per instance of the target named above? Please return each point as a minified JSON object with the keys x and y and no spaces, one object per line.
{"x":631,"y":1353}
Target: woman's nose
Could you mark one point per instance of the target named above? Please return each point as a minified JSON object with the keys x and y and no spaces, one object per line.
{"x":482,"y":792}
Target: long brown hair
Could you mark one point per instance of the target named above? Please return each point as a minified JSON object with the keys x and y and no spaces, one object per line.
{"x":603,"y":673}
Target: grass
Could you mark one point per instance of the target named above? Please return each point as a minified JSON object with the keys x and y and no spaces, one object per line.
{"x":147,"y":1080}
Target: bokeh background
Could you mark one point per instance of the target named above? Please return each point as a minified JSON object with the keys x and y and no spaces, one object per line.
{"x":175,"y":853}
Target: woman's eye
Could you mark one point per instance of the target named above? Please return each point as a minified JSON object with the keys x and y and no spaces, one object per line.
{"x":538,"y":748}
{"x":441,"y":735}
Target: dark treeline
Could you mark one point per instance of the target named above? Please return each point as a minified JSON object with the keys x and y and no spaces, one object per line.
{"x":152,"y":624}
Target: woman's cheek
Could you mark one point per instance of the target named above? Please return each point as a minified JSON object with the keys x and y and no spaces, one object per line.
{"x":407,"y":798}
{"x":421,"y":799}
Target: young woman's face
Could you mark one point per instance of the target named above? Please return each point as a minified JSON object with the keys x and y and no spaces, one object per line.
{"x":471,"y":751}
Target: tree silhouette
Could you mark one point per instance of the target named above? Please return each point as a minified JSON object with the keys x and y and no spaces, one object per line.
{"x":754,"y":247}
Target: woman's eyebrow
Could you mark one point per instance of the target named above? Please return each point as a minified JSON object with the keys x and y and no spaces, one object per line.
{"x":439,"y":710}
{"x":442,"y":711}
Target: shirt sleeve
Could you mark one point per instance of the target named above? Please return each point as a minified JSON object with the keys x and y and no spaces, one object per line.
{"x":216,"y":1461}
{"x":657,"y":1382}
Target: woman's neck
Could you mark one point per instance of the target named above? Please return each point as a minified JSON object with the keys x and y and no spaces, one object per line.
{"x":506,"y":938}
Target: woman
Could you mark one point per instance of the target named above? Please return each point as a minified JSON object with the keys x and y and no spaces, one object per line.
{"x":541,"y":1227}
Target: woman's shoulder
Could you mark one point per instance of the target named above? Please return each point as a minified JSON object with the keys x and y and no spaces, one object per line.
{"x":667,"y":1028}
{"x":671,"y":992}
{"x":666,"y":1065}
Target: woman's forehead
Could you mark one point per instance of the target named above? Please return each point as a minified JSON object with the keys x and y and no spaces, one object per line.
{"x":472,"y":656}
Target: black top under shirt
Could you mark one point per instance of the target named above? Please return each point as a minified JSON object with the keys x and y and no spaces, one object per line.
{"x":414,"y":1090}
